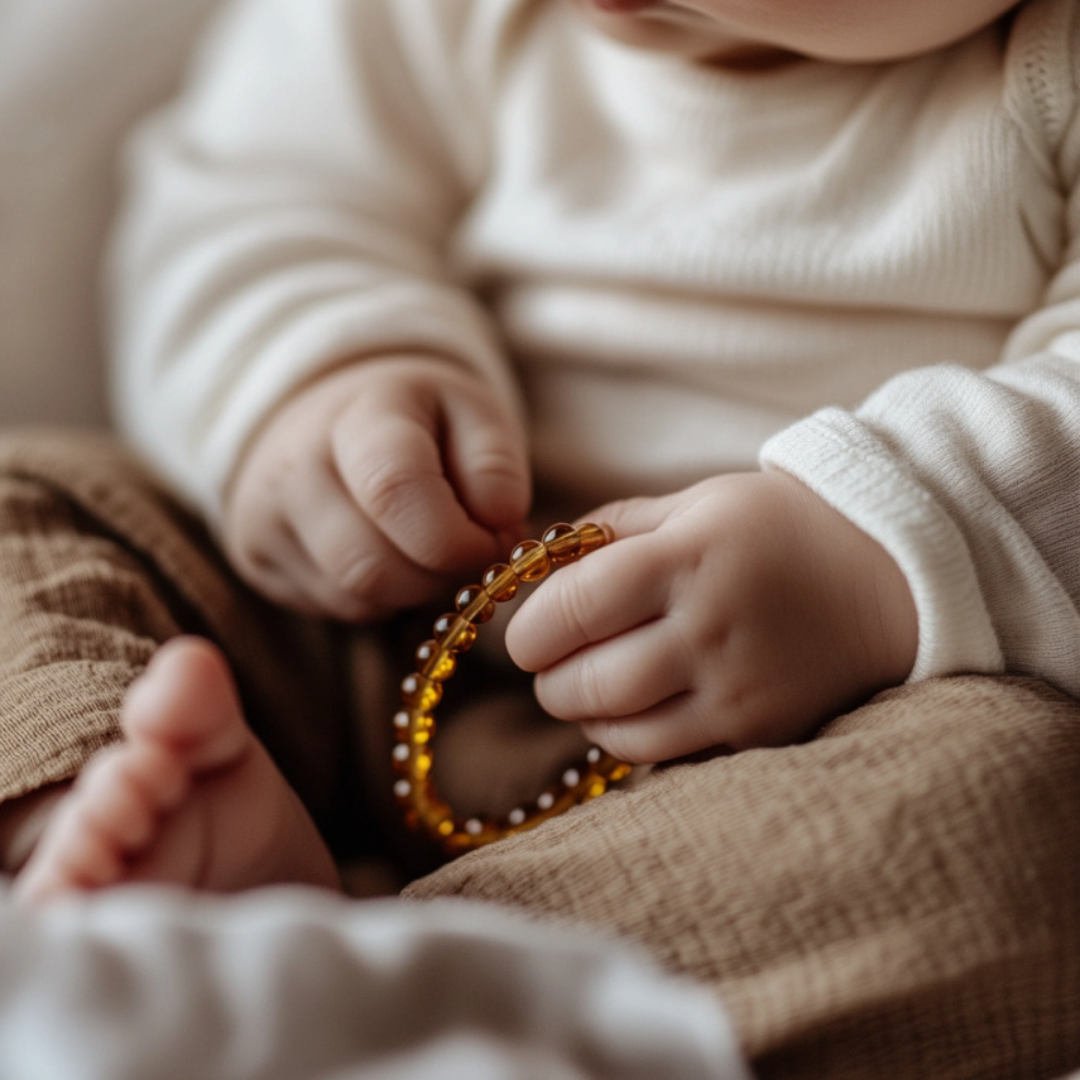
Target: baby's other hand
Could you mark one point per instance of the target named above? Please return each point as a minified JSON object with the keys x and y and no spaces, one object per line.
{"x":374,"y":485}
{"x":743,"y":611}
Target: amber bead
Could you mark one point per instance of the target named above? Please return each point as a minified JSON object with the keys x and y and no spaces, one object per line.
{"x":474,"y":604}
{"x":421,"y":764}
{"x":592,"y":537}
{"x":454,"y":633}
{"x":530,"y":560}
{"x":420,"y":693}
{"x":500,"y":583}
{"x":563,"y":543}
{"x":435,"y":661}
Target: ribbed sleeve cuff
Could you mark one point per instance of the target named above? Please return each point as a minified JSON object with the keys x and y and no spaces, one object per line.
{"x":841,"y":460}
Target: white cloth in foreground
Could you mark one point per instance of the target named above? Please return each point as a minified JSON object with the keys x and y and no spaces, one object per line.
{"x":297,"y":984}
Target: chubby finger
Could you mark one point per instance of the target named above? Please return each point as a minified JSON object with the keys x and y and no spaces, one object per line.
{"x":390,"y":462}
{"x":487,"y":459}
{"x":670,"y":729}
{"x":283,"y":570}
{"x":363,"y":574}
{"x":613,"y":590}
{"x":272,"y":560}
{"x":291,"y":577}
{"x":622,"y":676}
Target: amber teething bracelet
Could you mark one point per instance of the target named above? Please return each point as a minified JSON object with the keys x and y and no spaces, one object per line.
{"x":436,"y":660}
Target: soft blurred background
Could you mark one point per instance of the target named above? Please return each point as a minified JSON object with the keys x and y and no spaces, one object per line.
{"x":74,"y":76}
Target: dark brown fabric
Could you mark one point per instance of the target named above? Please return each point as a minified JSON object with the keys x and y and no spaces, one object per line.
{"x":97,"y":568}
{"x":898,"y":899}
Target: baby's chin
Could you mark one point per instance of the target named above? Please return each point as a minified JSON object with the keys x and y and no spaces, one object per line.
{"x":667,"y":28}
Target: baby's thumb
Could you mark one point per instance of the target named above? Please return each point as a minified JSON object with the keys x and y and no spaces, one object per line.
{"x":488,"y":464}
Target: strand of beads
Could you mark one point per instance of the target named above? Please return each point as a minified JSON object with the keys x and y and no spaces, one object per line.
{"x":436,"y":661}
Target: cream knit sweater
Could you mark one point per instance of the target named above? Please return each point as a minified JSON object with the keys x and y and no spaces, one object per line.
{"x":865,"y":275}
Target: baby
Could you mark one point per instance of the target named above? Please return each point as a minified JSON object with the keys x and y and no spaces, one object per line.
{"x":782,"y":292}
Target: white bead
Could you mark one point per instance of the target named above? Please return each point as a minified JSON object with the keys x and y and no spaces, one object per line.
{"x":546,"y":801}
{"x":473,"y":827}
{"x":401,"y":752}
{"x":516,"y":816}
{"x":571,"y":778}
{"x":402,"y":788}
{"x":593,"y":756}
{"x":401,"y":720}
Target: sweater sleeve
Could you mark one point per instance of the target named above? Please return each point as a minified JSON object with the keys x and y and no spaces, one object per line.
{"x":971,"y":480}
{"x":292,"y":210}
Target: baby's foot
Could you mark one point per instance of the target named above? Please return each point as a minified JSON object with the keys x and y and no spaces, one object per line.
{"x":190,"y":797}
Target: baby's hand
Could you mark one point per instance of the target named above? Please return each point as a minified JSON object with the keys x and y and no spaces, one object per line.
{"x":371,"y":487}
{"x":743,"y":611}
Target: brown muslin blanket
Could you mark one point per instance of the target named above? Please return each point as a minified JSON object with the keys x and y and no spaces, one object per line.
{"x":897,"y":898}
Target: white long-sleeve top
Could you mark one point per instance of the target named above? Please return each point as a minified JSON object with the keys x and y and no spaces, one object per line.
{"x":866,"y":275}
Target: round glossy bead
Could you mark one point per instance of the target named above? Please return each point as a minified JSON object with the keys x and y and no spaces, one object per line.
{"x":592,"y":537}
{"x":474,"y":604}
{"x":420,"y":693}
{"x":530,"y":560}
{"x":423,"y":726}
{"x":500,"y":583}
{"x":562,"y":542}
{"x":453,"y":632}
{"x":435,"y":661}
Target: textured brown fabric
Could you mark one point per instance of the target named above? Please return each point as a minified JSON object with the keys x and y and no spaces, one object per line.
{"x":97,"y":568}
{"x":899,"y":898}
